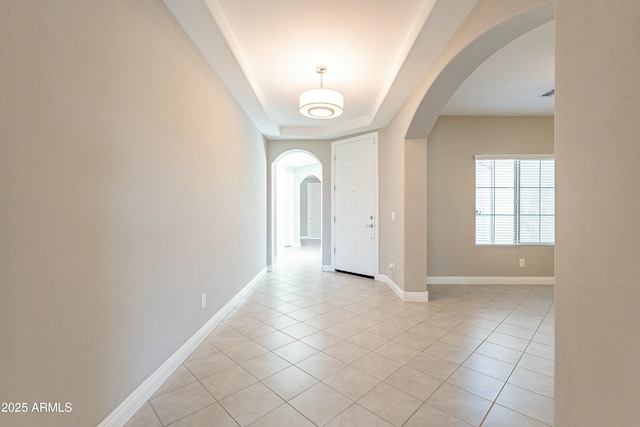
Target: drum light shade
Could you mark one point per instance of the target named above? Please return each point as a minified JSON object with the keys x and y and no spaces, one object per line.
{"x":321,"y":103}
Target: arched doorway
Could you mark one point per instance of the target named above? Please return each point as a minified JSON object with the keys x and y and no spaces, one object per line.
{"x":310,"y":208}
{"x":476,"y":40}
{"x":296,"y":189}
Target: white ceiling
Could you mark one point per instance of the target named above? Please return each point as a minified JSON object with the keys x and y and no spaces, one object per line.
{"x":266,"y":52}
{"x":510,"y":82}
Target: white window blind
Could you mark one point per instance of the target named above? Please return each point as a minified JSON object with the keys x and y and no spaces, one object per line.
{"x":515,"y":200}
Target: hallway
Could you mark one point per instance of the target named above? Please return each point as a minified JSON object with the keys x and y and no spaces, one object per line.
{"x":308,"y":348}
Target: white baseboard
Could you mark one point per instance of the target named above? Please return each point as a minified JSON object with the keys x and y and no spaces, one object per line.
{"x":489,"y":280}
{"x":403,"y":295}
{"x":328,"y":268}
{"x":269,"y":268}
{"x":134,"y":402}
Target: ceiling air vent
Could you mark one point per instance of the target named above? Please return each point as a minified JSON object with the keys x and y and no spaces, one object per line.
{"x":548,"y":93}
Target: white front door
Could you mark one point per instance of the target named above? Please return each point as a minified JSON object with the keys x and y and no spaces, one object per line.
{"x":314,"y":210}
{"x":355,"y":210}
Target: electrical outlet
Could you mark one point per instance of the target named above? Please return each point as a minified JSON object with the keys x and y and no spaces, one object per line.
{"x":521,"y":262}
{"x":392,"y":267}
{"x":204,"y":301}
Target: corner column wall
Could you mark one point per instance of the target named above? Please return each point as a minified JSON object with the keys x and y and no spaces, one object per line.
{"x":597,"y":220}
{"x":415,"y":208}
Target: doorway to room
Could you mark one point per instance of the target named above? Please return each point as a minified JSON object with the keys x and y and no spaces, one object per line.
{"x":297,"y":208}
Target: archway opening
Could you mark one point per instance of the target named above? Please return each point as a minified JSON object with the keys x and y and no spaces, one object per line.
{"x":297,"y":209}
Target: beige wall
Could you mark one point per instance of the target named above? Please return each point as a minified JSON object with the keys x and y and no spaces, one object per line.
{"x":391,"y":168}
{"x":451,"y":146}
{"x":122,"y":159}
{"x":322,"y":150}
{"x":598,"y":213}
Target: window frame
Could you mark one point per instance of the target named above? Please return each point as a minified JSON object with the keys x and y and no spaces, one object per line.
{"x":517,"y":206}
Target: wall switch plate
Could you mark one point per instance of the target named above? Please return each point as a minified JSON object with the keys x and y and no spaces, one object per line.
{"x":393,"y":216}
{"x":521,"y":262}
{"x":204,"y":300}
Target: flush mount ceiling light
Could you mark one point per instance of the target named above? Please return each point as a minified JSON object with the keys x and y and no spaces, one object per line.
{"x":321,"y":103}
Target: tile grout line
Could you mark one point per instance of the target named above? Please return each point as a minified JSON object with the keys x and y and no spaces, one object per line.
{"x":514,"y":368}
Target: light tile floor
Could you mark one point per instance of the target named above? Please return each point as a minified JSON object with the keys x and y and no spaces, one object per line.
{"x":307,"y":348}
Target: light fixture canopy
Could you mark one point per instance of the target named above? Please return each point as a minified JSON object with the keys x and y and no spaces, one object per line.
{"x":321,"y":103}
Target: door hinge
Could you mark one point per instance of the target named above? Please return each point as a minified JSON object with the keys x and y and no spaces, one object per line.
{"x":334,"y":218}
{"x":334,"y":187}
{"x":334,"y":250}
{"x":334,"y":157}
